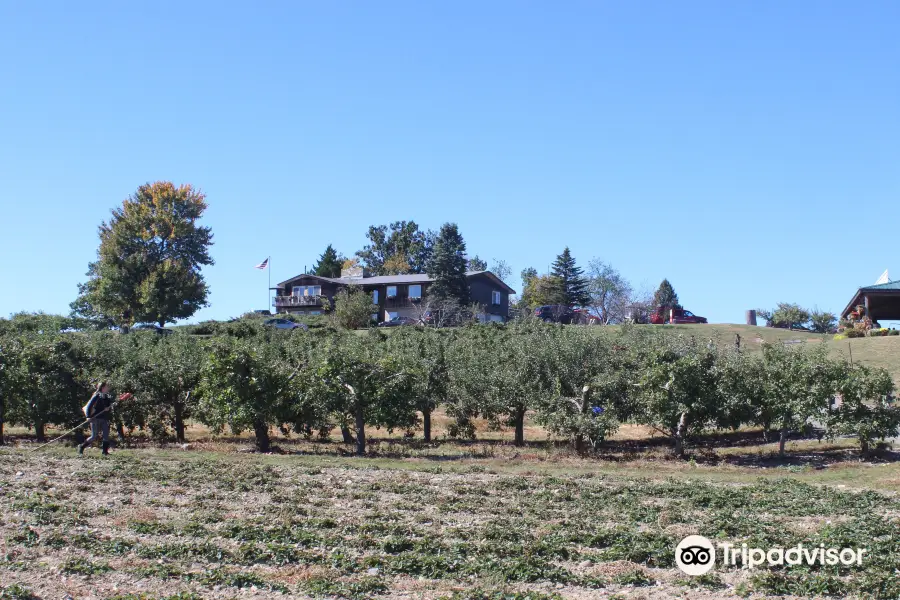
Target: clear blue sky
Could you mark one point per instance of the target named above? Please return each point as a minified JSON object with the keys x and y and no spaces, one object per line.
{"x":746,"y":151}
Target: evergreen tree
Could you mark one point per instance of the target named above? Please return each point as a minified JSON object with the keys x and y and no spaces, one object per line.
{"x":476,"y":264}
{"x":448,"y":266}
{"x":666,"y":296}
{"x":330,"y":263}
{"x":572,"y":285}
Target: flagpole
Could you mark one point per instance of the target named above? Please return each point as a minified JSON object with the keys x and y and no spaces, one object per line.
{"x":269,"y":289}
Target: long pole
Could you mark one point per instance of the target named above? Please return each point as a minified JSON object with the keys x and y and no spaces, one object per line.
{"x":73,"y":429}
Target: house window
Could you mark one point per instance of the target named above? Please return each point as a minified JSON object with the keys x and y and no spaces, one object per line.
{"x":495,"y":298}
{"x":307,"y":290}
{"x":375,"y":297}
{"x":392,"y":291}
{"x":415,"y":292}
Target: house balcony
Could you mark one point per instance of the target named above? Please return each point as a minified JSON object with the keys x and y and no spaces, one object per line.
{"x":289,"y":301}
{"x":401,"y":302}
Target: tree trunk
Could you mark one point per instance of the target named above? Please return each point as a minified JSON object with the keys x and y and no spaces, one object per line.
{"x":179,"y":422}
{"x":426,"y":424}
{"x":345,"y":433}
{"x":864,"y":446}
{"x":782,"y":438}
{"x":261,"y":429}
{"x":39,"y":432}
{"x":360,"y":431}
{"x":2,"y":415}
{"x":520,"y":428}
{"x":585,"y":403}
{"x":679,"y":435}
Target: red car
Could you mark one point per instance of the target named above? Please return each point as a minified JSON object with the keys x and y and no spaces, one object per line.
{"x":679,"y":315}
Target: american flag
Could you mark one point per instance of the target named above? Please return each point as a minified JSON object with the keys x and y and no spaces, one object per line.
{"x":263,"y":265}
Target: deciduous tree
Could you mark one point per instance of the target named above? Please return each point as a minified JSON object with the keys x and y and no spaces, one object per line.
{"x":353,"y":308}
{"x":610,"y":294}
{"x":399,"y":239}
{"x":149,"y":261}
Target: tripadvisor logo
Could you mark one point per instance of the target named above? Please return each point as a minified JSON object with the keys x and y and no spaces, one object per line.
{"x":696,"y":555}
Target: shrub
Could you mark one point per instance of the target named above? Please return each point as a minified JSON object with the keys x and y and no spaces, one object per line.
{"x":854,"y":333}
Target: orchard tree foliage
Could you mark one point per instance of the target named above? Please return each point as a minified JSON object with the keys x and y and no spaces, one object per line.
{"x":329,"y":263}
{"x":571,"y":284}
{"x":867,"y":407}
{"x":395,"y":249}
{"x":149,"y":260}
{"x":361,"y":384}
{"x":580,"y":384}
{"x":447,"y":266}
{"x":679,"y":389}
{"x":166,"y":372}
{"x":244,"y":385}
{"x":422,"y":356}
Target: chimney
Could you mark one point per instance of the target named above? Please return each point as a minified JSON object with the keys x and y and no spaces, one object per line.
{"x":356,"y":272}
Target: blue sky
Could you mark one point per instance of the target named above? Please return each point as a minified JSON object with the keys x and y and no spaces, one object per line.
{"x":746,"y":151}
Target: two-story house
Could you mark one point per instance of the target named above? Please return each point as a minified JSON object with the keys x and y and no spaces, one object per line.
{"x":393,"y":295}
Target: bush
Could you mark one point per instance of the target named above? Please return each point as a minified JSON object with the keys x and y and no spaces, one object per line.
{"x":854,"y":333}
{"x":894,"y":332}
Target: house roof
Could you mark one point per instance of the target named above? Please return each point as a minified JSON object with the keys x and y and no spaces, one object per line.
{"x":394,"y":279}
{"x":888,"y":296}
{"x":882,"y":287}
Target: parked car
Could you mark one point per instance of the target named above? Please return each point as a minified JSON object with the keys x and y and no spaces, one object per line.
{"x":399,"y":322}
{"x":284,"y":324}
{"x":679,"y":315}
{"x":555,"y":313}
{"x":152,"y":327}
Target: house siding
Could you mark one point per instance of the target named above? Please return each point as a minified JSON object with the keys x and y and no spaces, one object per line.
{"x":329,"y":289}
{"x":481,"y":287}
{"x":480,"y":290}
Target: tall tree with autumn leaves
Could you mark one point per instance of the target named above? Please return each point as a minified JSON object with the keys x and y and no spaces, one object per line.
{"x":149,"y":262}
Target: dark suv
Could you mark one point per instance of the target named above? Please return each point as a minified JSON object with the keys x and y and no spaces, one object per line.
{"x":555,"y":313}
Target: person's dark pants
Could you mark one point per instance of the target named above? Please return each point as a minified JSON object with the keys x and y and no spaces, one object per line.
{"x":98,"y":427}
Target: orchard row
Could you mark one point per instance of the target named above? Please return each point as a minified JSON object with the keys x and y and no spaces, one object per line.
{"x":579,"y":383}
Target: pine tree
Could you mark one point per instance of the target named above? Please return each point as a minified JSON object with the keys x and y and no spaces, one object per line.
{"x":447,"y":266}
{"x":573,"y":286}
{"x":476,"y":264}
{"x":666,"y":296}
{"x":330,"y":263}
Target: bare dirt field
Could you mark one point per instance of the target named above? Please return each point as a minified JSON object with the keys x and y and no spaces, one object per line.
{"x":458,"y":521}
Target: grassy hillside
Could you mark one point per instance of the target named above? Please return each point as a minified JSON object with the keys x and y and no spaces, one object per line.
{"x":881,"y":352}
